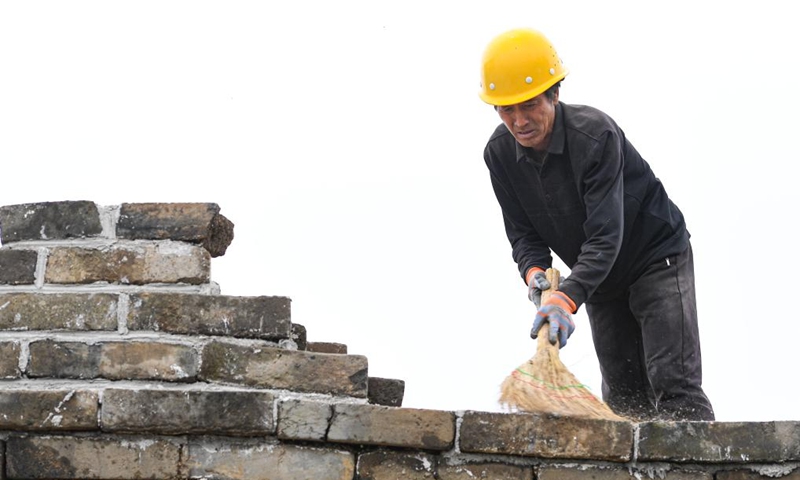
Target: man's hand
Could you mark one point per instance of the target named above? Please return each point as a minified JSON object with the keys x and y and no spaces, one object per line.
{"x":556,"y":310}
{"x":537,"y":284}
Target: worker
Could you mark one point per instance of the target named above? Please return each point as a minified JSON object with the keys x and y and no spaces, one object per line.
{"x":569,"y":182}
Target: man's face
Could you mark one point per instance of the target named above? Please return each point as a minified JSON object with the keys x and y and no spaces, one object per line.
{"x":531,"y":122}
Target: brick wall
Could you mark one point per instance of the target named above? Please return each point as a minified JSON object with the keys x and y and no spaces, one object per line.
{"x":120,"y":359}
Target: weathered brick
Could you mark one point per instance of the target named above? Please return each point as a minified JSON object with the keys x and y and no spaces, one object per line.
{"x":49,"y":221}
{"x":133,"y":360}
{"x":397,"y":427}
{"x":120,"y":458}
{"x":187,"y":222}
{"x":43,"y":410}
{"x":259,"y":460}
{"x":304,"y":420}
{"x":761,"y":472}
{"x":9,"y":360}
{"x":18,"y":267}
{"x":148,"y":361}
{"x":733,"y":442}
{"x":493,"y":471}
{"x":188,"y":412}
{"x":299,"y":335}
{"x":326,"y":347}
{"x":584,"y":472}
{"x":546,"y":436}
{"x":195,"y":314}
{"x":385,"y":391}
{"x":386,"y":465}
{"x":49,"y":358}
{"x":58,"y":311}
{"x":268,"y":367}
{"x":165,"y":262}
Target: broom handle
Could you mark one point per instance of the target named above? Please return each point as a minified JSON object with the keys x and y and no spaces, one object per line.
{"x":553,"y":276}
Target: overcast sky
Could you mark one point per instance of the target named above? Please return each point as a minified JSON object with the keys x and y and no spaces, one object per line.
{"x":344,"y":140}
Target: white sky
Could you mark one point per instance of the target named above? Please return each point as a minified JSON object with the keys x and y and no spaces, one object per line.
{"x":344,"y":139}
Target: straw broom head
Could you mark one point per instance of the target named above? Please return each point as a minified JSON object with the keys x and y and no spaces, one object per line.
{"x":543,"y":384}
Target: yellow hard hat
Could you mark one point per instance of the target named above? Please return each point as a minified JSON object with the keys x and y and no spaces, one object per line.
{"x":518,"y":65}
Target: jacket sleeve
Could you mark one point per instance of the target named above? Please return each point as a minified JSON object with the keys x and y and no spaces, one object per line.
{"x":527,"y":248}
{"x":599,"y":175}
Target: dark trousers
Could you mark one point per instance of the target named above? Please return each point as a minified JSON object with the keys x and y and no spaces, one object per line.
{"x":648,"y":345}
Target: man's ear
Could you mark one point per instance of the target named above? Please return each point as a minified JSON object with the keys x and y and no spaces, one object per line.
{"x":555,"y":97}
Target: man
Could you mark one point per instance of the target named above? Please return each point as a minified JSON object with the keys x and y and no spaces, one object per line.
{"x":568,"y":180}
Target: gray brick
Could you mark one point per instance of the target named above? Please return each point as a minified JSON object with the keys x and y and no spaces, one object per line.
{"x":769,"y":472}
{"x":49,"y":221}
{"x":326,"y":347}
{"x":388,"y":465}
{"x":134,"y":360}
{"x":304,"y":420}
{"x":166,"y":262}
{"x":118,"y":458}
{"x":397,"y":427}
{"x":733,"y":442}
{"x":584,"y":472}
{"x":9,"y":360}
{"x":187,"y":222}
{"x":53,"y":359}
{"x":267,"y":461}
{"x":148,"y":361}
{"x":268,"y":367}
{"x":493,"y":471}
{"x":546,"y":436}
{"x":61,"y":311}
{"x":46,"y":410}
{"x":18,"y":267}
{"x":386,"y":391}
{"x":299,"y":335}
{"x":188,"y":412}
{"x":194,"y":314}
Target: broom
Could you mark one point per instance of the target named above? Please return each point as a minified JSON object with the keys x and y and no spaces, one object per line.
{"x":544,"y":385}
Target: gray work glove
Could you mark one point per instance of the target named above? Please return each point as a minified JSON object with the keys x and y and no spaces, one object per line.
{"x":539,"y":283}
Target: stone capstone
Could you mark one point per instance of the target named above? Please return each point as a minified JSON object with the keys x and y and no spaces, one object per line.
{"x":729,"y":442}
{"x":398,"y":427}
{"x":304,"y":420}
{"x":546,"y":436}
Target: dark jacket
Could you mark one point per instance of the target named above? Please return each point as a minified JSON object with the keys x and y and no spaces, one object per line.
{"x":592,"y":199}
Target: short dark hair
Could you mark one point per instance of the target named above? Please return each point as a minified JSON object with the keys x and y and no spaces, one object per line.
{"x":550,"y":93}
